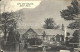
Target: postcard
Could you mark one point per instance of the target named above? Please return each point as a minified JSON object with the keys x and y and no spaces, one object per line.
{"x":39,"y":25}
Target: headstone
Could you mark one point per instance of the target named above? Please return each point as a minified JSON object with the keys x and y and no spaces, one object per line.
{"x":64,"y":50}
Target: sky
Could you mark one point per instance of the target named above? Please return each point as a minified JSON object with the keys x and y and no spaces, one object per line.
{"x":34,"y":16}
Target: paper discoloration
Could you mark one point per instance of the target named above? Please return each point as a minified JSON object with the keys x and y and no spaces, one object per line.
{"x":39,"y":25}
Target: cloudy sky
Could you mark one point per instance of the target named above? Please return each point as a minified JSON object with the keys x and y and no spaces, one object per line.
{"x":34,"y":17}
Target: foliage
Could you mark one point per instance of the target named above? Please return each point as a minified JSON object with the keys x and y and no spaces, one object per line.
{"x":34,"y":41}
{"x":13,"y":36}
{"x":75,"y":38}
{"x":8,"y":19}
{"x":9,"y":25}
{"x":71,"y":11}
{"x":74,"y":25}
{"x":12,"y":39}
{"x":76,"y":33}
{"x":50,"y":24}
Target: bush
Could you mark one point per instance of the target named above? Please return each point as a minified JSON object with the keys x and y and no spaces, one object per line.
{"x":34,"y":41}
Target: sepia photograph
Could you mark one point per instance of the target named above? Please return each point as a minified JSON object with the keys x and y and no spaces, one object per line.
{"x":39,"y":25}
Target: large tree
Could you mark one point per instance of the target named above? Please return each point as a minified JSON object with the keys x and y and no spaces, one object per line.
{"x":9,"y":24}
{"x":8,"y":19}
{"x":71,"y":13}
{"x":50,"y":24}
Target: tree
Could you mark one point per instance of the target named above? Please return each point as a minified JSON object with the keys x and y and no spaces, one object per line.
{"x":50,"y":24}
{"x":13,"y":36}
{"x":9,"y":24}
{"x":12,"y":39}
{"x":74,"y":25}
{"x":75,"y":38}
{"x":71,"y":11}
{"x":8,"y":19}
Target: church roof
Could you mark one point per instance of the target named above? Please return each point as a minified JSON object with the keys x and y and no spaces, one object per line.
{"x":40,"y":31}
{"x":49,"y":32}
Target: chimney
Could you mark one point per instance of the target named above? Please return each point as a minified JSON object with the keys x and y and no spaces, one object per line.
{"x":62,"y":27}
